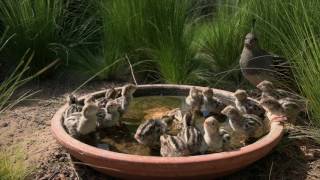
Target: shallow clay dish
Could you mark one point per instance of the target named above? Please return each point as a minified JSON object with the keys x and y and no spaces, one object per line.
{"x":134,"y":166}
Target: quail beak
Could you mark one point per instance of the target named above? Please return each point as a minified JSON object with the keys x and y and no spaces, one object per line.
{"x":249,"y":43}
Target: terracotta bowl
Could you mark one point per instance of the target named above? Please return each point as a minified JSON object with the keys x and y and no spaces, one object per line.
{"x":134,"y":166}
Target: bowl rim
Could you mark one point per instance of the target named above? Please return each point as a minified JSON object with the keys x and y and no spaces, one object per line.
{"x":59,"y":133}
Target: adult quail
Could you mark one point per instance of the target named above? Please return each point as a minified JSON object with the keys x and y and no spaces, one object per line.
{"x":258,"y":65}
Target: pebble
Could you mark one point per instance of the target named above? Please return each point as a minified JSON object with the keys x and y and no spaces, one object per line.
{"x":61,"y":159}
{"x":4,"y":124}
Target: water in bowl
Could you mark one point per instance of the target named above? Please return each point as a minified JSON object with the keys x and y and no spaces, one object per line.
{"x":121,"y":139}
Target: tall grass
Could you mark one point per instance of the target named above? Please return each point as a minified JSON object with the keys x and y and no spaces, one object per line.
{"x":50,"y":28}
{"x":170,"y":37}
{"x":17,"y":78}
{"x":220,"y":41}
{"x":155,"y":35}
{"x":35,"y":25}
{"x":122,"y":29}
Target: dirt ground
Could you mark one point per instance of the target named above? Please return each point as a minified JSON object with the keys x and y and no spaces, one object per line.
{"x":28,"y":125}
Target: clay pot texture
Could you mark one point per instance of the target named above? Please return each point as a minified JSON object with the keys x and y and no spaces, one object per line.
{"x":134,"y":166}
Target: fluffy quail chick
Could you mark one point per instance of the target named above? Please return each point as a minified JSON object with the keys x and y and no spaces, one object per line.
{"x":74,"y":106}
{"x":126,"y":97}
{"x":290,"y":108}
{"x":211,"y":105}
{"x":173,"y":146}
{"x":175,"y":118}
{"x":226,"y":139}
{"x":255,"y":127}
{"x":214,"y":139}
{"x":267,"y":89}
{"x":192,"y":136}
{"x":109,"y":116}
{"x":274,"y":110}
{"x":110,"y":94}
{"x":246,"y":106}
{"x":249,"y":125}
{"x":237,"y":129}
{"x":149,"y":132}
{"x":194,"y":99}
{"x":79,"y":124}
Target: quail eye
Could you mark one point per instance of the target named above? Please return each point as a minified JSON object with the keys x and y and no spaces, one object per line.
{"x":246,"y":126}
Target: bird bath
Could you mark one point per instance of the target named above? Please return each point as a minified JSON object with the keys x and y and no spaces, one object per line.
{"x":139,"y":166}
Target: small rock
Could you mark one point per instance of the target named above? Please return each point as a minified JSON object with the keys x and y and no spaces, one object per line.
{"x":4,"y":124}
{"x":56,"y":154}
{"x":61,"y":159}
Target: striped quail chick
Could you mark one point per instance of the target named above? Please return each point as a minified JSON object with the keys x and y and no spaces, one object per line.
{"x":110,"y":94}
{"x":84,"y":123}
{"x":274,"y":109}
{"x":211,"y":105}
{"x":176,"y":119}
{"x":291,"y":108}
{"x":192,"y":136}
{"x":243,"y":126}
{"x":246,"y":106}
{"x":173,"y":146}
{"x":74,"y":106}
{"x":126,"y":97}
{"x":268,"y":90}
{"x":109,"y":116}
{"x":194,"y":99}
{"x":149,"y":132}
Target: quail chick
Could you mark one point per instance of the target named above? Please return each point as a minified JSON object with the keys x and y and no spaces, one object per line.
{"x":226,"y":139}
{"x":291,"y":109}
{"x":268,"y":90}
{"x":192,"y":136}
{"x":80,"y":124}
{"x":194,"y":99}
{"x":246,"y":106}
{"x":110,"y":94}
{"x":173,"y":146}
{"x":244,"y":127}
{"x":249,"y":125}
{"x":211,"y":105}
{"x":126,"y":97}
{"x":109,"y":116}
{"x":149,"y":132}
{"x":274,"y":110}
{"x":257,"y":65}
{"x":175,"y":118}
{"x":255,"y":126}
{"x":74,"y":106}
{"x":215,"y":140}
